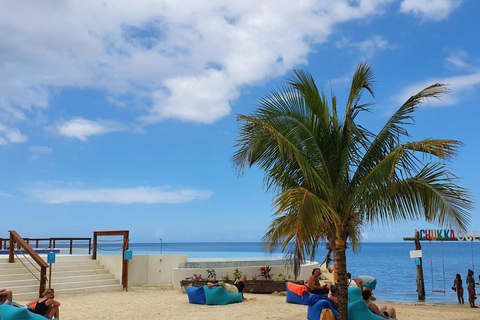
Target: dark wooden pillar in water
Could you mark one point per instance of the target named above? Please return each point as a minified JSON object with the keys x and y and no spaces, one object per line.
{"x":420,"y":281}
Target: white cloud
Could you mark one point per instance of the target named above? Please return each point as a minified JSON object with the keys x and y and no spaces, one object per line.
{"x":459,"y":86}
{"x":188,"y":59}
{"x":4,"y":194}
{"x":368,"y":47}
{"x":81,"y":128}
{"x":146,"y":195}
{"x":37,"y":151}
{"x":11,"y":135}
{"x":458,"y":59}
{"x":435,"y":10}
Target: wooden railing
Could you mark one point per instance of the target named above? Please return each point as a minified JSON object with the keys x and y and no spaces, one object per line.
{"x":125,"y":234}
{"x":22,"y":244}
{"x":52,"y":243}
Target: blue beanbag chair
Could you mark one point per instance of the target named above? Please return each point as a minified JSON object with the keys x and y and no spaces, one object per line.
{"x":8,"y":312}
{"x":316,"y":304}
{"x":293,"y":291}
{"x":219,"y":296}
{"x":196,"y":295}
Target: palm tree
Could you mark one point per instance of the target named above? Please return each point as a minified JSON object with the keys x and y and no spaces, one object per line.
{"x":330,"y":176}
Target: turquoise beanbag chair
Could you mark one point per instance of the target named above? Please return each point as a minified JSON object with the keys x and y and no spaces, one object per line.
{"x":219,"y":296}
{"x":357,"y":308}
{"x":13,"y":313}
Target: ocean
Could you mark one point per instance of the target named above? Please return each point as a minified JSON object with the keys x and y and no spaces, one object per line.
{"x":389,"y":262}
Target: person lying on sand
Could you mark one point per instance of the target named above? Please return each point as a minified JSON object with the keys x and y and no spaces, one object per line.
{"x":387,"y":313}
{"x":236,"y":287}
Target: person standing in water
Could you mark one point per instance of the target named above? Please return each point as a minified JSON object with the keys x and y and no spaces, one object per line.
{"x":458,"y":286}
{"x":471,"y":289}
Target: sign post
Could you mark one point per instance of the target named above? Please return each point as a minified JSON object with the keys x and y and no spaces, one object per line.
{"x":51,"y":261}
{"x":128,"y":255}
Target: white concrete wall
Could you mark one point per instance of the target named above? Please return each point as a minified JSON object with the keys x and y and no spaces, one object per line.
{"x":154,"y":269}
{"x":163,"y":269}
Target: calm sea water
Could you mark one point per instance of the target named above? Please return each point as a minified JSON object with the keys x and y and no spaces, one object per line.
{"x":390,"y":263}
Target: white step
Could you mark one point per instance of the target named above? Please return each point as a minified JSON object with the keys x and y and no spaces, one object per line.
{"x":32,"y":281}
{"x":32,"y":295}
{"x":70,"y":274}
{"x":24,"y":275}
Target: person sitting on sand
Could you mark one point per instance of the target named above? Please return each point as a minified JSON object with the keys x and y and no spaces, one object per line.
{"x":334,"y":294}
{"x":6,"y":297}
{"x":236,"y":287}
{"x":387,"y":313}
{"x":313,"y":283}
{"x":471,"y":289}
{"x":47,"y":306}
{"x":457,"y":286}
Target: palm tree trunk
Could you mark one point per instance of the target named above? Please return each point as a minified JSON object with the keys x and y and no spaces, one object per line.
{"x":341,"y":261}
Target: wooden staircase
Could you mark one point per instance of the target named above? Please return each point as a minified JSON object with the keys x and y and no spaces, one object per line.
{"x":71,"y":274}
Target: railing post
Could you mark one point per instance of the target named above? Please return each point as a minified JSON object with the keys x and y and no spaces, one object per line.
{"x":94,"y":255}
{"x":11,"y":257}
{"x":43,"y":282}
{"x":89,"y":245}
{"x":71,"y":246}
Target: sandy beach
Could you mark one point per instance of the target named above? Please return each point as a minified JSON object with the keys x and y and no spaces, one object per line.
{"x":166,"y":303}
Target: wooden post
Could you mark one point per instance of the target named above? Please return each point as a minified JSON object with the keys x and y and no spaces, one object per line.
{"x":11,"y":257}
{"x":71,"y":246}
{"x":125,"y":262}
{"x":94,"y":255}
{"x":89,"y":245}
{"x":43,"y":278}
{"x":420,"y":281}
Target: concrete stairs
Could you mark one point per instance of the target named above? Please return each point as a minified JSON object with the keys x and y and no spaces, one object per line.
{"x":71,"y":274}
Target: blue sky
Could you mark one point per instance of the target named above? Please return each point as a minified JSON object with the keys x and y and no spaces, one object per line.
{"x":122,"y":114}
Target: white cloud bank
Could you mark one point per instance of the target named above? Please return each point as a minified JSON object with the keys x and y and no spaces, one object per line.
{"x":460,"y":86}
{"x":11,"y":135}
{"x":37,"y":151}
{"x":81,"y":128}
{"x":187,"y":59}
{"x":434,"y":10}
{"x":146,"y":195}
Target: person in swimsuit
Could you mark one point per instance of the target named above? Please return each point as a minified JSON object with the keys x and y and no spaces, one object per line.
{"x":47,"y":306}
{"x":6,"y":296}
{"x":313,"y":283}
{"x":471,"y":289}
{"x":236,"y":287}
{"x":457,"y":286}
{"x":387,"y":313}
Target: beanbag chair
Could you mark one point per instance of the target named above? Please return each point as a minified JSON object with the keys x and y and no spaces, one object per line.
{"x":297,"y":293}
{"x":369,"y":282}
{"x":357,"y":308}
{"x":219,"y":296}
{"x":8,"y":312}
{"x":317,"y":303}
{"x":196,"y":295}
{"x":354,"y":294}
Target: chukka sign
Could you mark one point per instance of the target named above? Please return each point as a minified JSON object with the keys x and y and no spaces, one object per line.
{"x":448,"y":235}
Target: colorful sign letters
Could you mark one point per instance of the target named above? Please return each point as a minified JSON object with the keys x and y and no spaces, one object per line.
{"x":448,"y":235}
